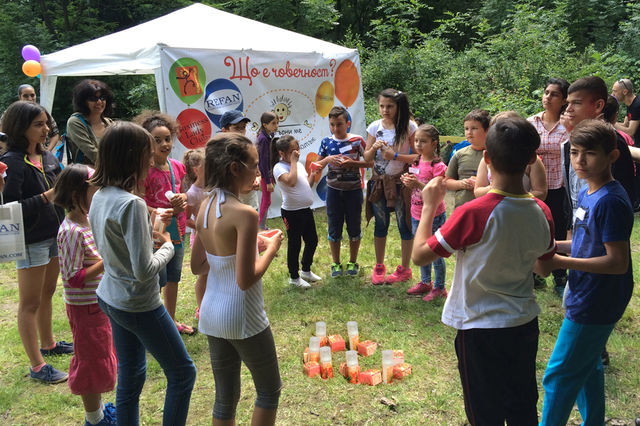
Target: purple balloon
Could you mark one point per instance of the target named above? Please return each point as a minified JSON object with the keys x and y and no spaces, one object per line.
{"x":30,"y":52}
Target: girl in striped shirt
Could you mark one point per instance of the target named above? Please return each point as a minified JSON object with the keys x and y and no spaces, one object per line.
{"x":93,"y":368}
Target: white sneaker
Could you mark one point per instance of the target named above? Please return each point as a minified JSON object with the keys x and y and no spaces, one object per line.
{"x":299,"y":282}
{"x":310,"y":276}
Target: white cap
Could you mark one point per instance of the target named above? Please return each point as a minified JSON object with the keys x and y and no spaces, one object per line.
{"x":352,"y":358}
{"x":314,"y":344}
{"x":321,"y":329}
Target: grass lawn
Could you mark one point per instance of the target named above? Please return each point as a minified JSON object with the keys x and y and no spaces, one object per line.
{"x":385,"y":314}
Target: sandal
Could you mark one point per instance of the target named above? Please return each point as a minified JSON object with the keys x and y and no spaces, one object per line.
{"x":184,"y":329}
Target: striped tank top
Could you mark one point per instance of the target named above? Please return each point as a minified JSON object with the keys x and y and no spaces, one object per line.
{"x":226,"y":311}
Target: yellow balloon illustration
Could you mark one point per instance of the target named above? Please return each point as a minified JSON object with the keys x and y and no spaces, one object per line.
{"x":347,"y":83}
{"x":324,"y":99}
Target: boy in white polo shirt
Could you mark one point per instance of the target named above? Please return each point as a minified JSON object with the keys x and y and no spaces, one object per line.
{"x":497,"y":239}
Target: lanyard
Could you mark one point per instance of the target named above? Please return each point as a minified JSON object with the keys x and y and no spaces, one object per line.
{"x":41,"y":169}
{"x":173,"y":181}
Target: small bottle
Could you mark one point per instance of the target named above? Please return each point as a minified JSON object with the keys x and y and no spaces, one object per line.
{"x":321,"y":332}
{"x":314,"y":349}
{"x":353,"y":369}
{"x":326,"y":367}
{"x":387,"y":366}
{"x":354,"y":337}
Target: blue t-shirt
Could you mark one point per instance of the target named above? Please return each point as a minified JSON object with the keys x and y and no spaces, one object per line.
{"x":343,"y":178}
{"x":602,"y":217}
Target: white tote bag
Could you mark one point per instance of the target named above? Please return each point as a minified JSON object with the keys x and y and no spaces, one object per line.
{"x":11,"y":232}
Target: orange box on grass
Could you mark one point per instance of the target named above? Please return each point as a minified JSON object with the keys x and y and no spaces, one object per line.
{"x":371,"y":377}
{"x":352,"y":374}
{"x":336,"y":342}
{"x":313,"y":357}
{"x":311,"y":369}
{"x":401,"y":371}
{"x":367,"y":348}
{"x":398,"y":356}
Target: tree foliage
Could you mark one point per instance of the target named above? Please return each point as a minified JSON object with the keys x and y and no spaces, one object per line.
{"x":450,"y":56}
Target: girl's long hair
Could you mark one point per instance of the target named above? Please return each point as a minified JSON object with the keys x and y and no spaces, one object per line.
{"x":403,"y":114}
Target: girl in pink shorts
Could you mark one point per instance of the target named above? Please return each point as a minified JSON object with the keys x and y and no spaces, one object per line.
{"x":93,"y":368}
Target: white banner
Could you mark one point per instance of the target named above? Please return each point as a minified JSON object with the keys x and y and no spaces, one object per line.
{"x":300,"y":88}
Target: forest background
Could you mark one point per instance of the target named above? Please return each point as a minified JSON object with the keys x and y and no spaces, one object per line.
{"x":450,"y":56}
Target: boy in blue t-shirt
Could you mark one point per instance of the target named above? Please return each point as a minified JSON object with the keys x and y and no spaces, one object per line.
{"x":342,"y":152}
{"x":600,"y":279}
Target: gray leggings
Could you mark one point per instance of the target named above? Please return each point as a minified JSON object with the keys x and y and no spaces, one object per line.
{"x":259,"y":355}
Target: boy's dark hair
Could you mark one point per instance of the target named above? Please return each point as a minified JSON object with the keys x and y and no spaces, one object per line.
{"x":502,"y":115}
{"x":222,"y":150}
{"x":88,"y":88}
{"x":480,"y":115}
{"x":595,"y":86}
{"x":511,"y":144}
{"x":403,"y":114}
{"x":610,"y":110}
{"x":338,"y":111}
{"x":560,"y":82}
{"x":594,"y":134}
{"x":124,"y":156}
{"x":149,"y":120}
{"x":70,"y":190}
{"x":15,"y":122}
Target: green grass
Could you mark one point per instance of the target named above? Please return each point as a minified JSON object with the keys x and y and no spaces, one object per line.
{"x":432,"y":395}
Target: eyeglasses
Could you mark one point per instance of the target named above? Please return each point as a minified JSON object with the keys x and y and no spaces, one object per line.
{"x":97,"y":98}
{"x":624,"y":84}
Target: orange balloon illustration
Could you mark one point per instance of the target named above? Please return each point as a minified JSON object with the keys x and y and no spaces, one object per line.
{"x":324,"y":99}
{"x":311,"y":157}
{"x":347,"y":83}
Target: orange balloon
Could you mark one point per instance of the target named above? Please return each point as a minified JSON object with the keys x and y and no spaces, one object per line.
{"x":347,"y":83}
{"x":311,"y":157}
{"x":31,"y":68}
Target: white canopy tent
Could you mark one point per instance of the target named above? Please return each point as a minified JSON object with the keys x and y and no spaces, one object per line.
{"x":137,"y":50}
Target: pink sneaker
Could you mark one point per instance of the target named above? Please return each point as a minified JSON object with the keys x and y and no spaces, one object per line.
{"x":420,"y":288}
{"x":435,"y":293}
{"x":378,"y":275}
{"x":400,"y":274}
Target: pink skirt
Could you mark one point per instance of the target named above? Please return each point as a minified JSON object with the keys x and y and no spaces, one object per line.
{"x":94,"y":366}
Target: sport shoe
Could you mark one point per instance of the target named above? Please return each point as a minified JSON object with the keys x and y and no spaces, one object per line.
{"x":400,"y":274}
{"x":309,"y":276}
{"x":109,"y":418}
{"x":49,"y":375}
{"x":435,"y":293}
{"x":336,"y":270}
{"x":378,"y":275}
{"x":299,"y":282}
{"x":353,"y":268}
{"x":60,"y":348}
{"x":420,"y":288}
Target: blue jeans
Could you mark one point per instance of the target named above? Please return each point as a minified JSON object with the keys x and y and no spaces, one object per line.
{"x":438,"y":265}
{"x":382,"y":215}
{"x":135,"y":333}
{"x":575,"y":374}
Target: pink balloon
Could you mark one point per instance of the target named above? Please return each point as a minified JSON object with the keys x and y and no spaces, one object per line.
{"x":30,"y":53}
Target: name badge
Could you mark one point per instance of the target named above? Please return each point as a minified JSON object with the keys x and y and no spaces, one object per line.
{"x":580,"y":213}
{"x":414,"y":170}
{"x":345,"y":149}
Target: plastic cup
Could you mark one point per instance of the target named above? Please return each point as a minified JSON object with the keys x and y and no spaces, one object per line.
{"x":387,"y":356}
{"x":321,"y":329}
{"x":352,"y":328}
{"x":325,"y":354}
{"x":352,"y":359}
{"x":314,"y":344}
{"x":314,"y":166}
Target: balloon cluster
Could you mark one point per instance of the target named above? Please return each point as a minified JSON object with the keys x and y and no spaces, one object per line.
{"x":31,"y":66}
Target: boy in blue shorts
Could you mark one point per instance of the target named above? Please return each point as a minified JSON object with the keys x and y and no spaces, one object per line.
{"x":497,"y":238}
{"x":600,"y":279}
{"x":342,"y":152}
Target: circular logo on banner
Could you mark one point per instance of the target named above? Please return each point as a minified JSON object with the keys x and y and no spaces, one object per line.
{"x":187,"y":78}
{"x":195,"y":128}
{"x":221,"y":95}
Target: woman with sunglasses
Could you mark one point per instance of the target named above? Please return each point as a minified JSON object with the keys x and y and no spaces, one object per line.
{"x":92,"y":100}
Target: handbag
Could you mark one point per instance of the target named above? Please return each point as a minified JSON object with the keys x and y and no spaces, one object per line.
{"x":12,"y":245}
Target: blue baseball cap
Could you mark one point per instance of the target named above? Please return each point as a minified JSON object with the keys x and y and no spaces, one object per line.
{"x":232,"y":117}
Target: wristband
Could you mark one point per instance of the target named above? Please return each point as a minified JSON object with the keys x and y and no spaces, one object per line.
{"x":395,"y":157}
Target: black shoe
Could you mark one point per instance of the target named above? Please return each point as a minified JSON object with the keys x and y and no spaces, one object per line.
{"x":61,"y":348}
